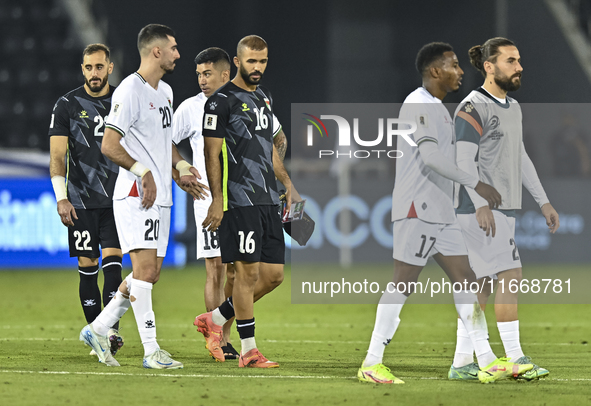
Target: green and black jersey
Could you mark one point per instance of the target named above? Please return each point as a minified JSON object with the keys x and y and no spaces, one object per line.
{"x":90,"y":175}
{"x":245,"y":122}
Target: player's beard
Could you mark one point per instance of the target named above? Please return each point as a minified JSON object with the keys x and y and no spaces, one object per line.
{"x":506,"y":83}
{"x":247,"y":79}
{"x":100,"y":86}
{"x":168,"y":69}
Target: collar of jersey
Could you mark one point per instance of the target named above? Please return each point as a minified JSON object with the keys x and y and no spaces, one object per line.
{"x":487,"y":94}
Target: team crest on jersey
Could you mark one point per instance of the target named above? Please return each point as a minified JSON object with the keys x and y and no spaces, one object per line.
{"x":152,"y":106}
{"x":211,"y":122}
{"x":117,"y":108}
{"x":268,"y":103}
{"x":83,"y":114}
{"x":423,"y":120}
{"x":468,"y":107}
{"x":169,"y":102}
{"x":213,"y":105}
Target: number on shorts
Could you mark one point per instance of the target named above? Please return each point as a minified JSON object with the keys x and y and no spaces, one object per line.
{"x":420,"y":253}
{"x":248,"y":245}
{"x":211,"y":237}
{"x":152,"y":232}
{"x":515,"y":255}
{"x":82,"y":240}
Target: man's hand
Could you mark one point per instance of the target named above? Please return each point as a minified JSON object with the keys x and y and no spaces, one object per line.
{"x":486,"y":220}
{"x":489,"y":194}
{"x":149,"y":190}
{"x":191,"y":185}
{"x":551,"y":217}
{"x":214,"y":216}
{"x":67,"y":212}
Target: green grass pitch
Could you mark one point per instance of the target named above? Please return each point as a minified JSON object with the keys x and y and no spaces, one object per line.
{"x":319,"y":347}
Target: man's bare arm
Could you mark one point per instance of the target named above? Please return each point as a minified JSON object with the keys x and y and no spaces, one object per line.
{"x":58,"y":146}
{"x":280,"y":142}
{"x":212,"y":150}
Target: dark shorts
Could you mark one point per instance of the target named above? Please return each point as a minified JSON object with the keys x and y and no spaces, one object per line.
{"x":252,"y":234}
{"x":94,"y":227}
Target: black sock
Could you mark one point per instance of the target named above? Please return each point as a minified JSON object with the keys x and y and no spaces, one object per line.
{"x":90,"y":295}
{"x":112,"y":273}
{"x":227,"y":308}
{"x":245,"y":328}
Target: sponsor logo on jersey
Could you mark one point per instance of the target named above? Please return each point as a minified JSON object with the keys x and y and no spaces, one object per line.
{"x":468,"y":107}
{"x":152,"y":106}
{"x":117,"y":108}
{"x":211,"y":122}
{"x":83,"y":114}
{"x":213,"y":105}
{"x":245,"y":107}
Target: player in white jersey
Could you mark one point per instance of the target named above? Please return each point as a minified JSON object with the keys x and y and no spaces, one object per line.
{"x":424,"y":219}
{"x":213,"y":71}
{"x":138,"y":137}
{"x":489,"y":145}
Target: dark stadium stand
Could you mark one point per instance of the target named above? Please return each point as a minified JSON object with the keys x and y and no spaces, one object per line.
{"x":39,"y":63}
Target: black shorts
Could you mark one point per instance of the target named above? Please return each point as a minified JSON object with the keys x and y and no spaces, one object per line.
{"x":252,"y":234}
{"x":94,"y":227}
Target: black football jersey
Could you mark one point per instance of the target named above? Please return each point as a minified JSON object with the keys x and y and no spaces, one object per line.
{"x":90,"y":175}
{"x":245,"y":121}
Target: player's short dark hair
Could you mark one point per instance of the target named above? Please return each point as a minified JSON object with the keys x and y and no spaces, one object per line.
{"x":153,"y":32}
{"x":213,"y":55}
{"x":430,"y":53}
{"x":253,"y":42}
{"x":94,"y":48}
{"x":489,"y":51}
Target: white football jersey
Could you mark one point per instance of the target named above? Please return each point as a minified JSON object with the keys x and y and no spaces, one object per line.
{"x":420,"y":192}
{"x":143,"y":116}
{"x":188,"y":123}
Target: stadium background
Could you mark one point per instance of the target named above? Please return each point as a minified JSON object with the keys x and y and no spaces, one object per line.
{"x":320,"y":52}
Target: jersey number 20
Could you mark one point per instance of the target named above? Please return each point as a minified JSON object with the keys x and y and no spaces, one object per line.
{"x":166,"y":116}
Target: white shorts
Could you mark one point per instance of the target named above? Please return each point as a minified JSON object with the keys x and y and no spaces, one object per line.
{"x":416,"y":240}
{"x":489,"y":256}
{"x":140,"y":228}
{"x":208,"y":242}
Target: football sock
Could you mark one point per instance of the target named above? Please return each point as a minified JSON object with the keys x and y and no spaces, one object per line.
{"x":90,"y":295}
{"x":509,"y":332}
{"x":141,"y":302}
{"x":111,"y":314}
{"x":387,"y":321}
{"x":464,"y":350}
{"x":112,"y":274}
{"x":474,"y":321}
{"x":246,"y":331}
{"x":223,"y":313}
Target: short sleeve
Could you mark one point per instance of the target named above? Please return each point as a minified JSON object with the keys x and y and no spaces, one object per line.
{"x":60,"y":119}
{"x":468,"y":124}
{"x":425,"y":119}
{"x":181,"y":128}
{"x":124,"y":110}
{"x":216,"y":116}
{"x":276,"y":126}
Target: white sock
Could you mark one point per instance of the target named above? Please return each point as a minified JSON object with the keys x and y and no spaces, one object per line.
{"x":464,"y":354}
{"x":387,"y":321}
{"x":217,"y":317}
{"x":474,"y":321}
{"x":141,"y":302}
{"x":111,"y":314}
{"x":509,"y":332}
{"x":247,"y":344}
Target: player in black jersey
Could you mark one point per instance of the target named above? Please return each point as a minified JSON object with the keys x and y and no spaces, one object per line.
{"x":83,"y":180}
{"x":242,"y":163}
